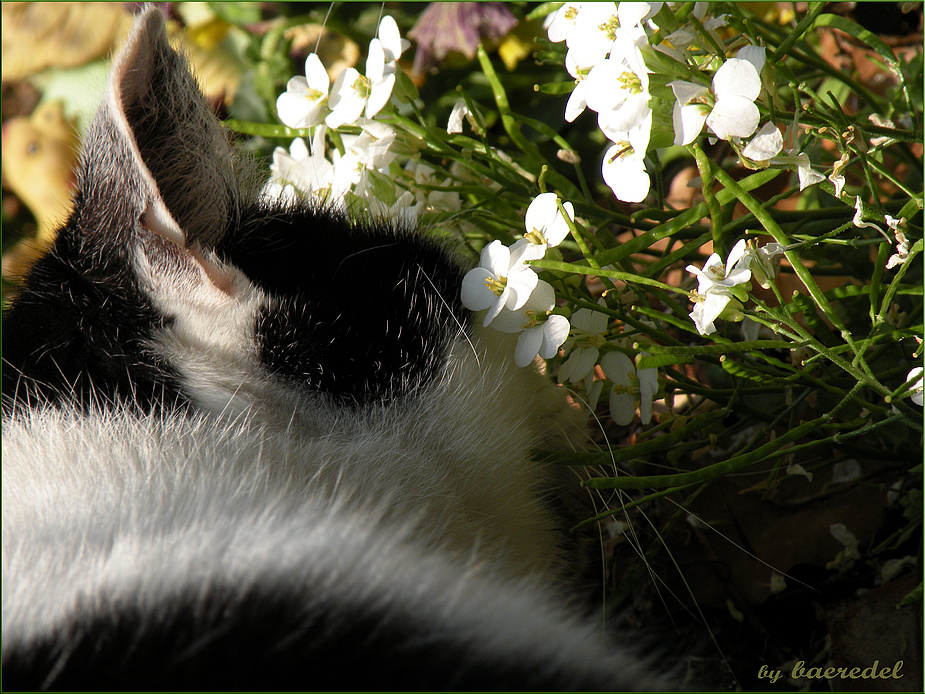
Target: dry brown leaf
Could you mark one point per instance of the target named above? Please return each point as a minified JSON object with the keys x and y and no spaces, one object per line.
{"x":40,"y":35}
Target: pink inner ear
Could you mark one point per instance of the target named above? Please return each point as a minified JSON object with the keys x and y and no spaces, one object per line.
{"x":160,"y":221}
{"x":219,"y":277}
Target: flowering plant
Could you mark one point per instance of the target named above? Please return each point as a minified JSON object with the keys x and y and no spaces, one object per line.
{"x":703,"y":221}
{"x":789,"y":268}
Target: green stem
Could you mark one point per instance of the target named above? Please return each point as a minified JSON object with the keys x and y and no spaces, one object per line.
{"x":604,"y":272}
{"x":734,"y":464}
{"x":705,"y":168}
{"x":265,"y":129}
{"x":815,"y":9}
{"x":683,"y":221}
{"x":511,"y":126}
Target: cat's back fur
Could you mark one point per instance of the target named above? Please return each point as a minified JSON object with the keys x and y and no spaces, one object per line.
{"x":248,"y":444}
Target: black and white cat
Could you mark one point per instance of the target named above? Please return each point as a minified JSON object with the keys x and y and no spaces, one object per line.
{"x":249,"y":445}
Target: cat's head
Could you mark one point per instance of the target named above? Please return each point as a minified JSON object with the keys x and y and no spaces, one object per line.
{"x":174,"y":281}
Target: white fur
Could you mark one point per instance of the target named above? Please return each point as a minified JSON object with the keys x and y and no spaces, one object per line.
{"x":234,"y":504}
{"x":428,"y":505}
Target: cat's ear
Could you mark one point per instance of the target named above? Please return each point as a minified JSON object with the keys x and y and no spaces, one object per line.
{"x":155,"y":154}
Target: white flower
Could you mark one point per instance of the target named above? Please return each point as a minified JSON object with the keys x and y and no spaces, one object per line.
{"x":381,"y":64}
{"x":715,"y":273}
{"x":618,"y":88}
{"x":460,"y":111}
{"x":367,"y":152}
{"x":915,"y":377}
{"x":801,"y":163}
{"x":902,"y":251}
{"x":593,"y":33}
{"x":732,"y":113}
{"x":300,"y":171}
{"x":718,"y":293}
{"x":561,"y":23}
{"x":631,"y":388}
{"x":761,"y":262}
{"x":540,"y":332}
{"x":690,"y":110}
{"x":861,"y":215}
{"x":736,"y":86}
{"x":404,"y":209}
{"x":302,"y":104}
{"x":500,"y":281}
{"x":624,"y":168}
{"x":583,"y":346}
{"x":767,"y":145}
{"x":545,"y":226}
{"x":375,"y":142}
{"x":768,"y":142}
{"x":709,"y":307}
{"x":348,"y":98}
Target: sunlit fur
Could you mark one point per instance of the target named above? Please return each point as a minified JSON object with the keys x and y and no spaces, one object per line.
{"x":148,"y":543}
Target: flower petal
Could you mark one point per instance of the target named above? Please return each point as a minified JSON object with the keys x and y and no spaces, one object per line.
{"x":555,"y":332}
{"x":685,"y":92}
{"x":622,"y":407}
{"x":577,"y":102}
{"x":737,"y":78}
{"x":753,"y":54}
{"x":687,"y":122}
{"x":391,"y":38}
{"x":315,"y":74}
{"x":767,"y":143}
{"x":541,"y":212}
{"x":618,"y":368}
{"x":736,"y":254}
{"x":528,"y":345}
{"x":626,"y":175}
{"x":579,"y":364}
{"x":522,"y":285}
{"x":475,"y":295}
{"x":496,"y":257}
{"x":733,"y":116}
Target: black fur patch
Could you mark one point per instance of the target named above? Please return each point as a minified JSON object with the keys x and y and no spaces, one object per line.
{"x":76,"y":334}
{"x":359,"y":313}
{"x":258,"y":640}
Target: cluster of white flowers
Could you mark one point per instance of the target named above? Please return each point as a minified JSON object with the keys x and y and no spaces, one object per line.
{"x":604,"y":57}
{"x":605,"y":42}
{"x":331,"y":174}
{"x":514,"y":298}
{"x":607,"y":47}
{"x":307,"y":101}
{"x":727,"y":107}
{"x":722,"y":287}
